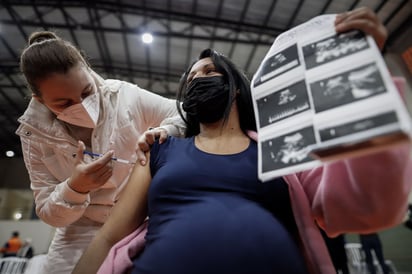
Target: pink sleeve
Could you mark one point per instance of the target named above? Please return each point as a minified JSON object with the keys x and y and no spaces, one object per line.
{"x":362,"y":194}
{"x":119,"y":259}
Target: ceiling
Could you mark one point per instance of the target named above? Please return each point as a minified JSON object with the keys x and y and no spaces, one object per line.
{"x":109,"y":33}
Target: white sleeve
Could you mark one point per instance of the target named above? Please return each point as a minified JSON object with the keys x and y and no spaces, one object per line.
{"x":56,"y":203}
{"x":155,"y":110}
{"x":175,"y":126}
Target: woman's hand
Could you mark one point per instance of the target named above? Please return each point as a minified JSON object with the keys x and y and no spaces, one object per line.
{"x":363,"y":19}
{"x":147,"y":139}
{"x":90,"y":176}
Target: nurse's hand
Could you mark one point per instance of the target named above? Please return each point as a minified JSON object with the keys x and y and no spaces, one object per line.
{"x":90,"y":176}
{"x":146,"y":140}
{"x":363,"y":19}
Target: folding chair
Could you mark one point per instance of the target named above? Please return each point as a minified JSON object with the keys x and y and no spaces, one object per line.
{"x":12,"y":265}
{"x":355,"y":259}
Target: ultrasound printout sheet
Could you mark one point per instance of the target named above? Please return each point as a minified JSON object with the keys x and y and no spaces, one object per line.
{"x":317,"y":92}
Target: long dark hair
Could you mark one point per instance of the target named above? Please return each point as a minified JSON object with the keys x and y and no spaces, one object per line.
{"x":239,"y":87}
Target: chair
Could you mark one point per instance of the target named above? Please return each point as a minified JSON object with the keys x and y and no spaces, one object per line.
{"x":12,"y":265}
{"x":389,"y":263}
{"x":357,"y":262}
{"x":355,"y":259}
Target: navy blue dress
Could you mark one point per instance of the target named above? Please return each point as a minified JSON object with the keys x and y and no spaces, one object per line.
{"x":210,"y":214}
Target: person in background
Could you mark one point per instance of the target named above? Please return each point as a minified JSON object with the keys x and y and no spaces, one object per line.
{"x":371,"y":242}
{"x":26,"y":251}
{"x":208,"y":211}
{"x":12,"y":246}
{"x":408,"y":221}
{"x":79,"y":135}
{"x":337,"y":252}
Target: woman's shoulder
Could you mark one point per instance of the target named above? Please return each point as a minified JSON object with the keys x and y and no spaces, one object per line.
{"x":171,"y":147}
{"x":170,"y":142}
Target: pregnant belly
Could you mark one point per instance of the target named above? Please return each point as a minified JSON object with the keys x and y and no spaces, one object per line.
{"x":212,"y":236}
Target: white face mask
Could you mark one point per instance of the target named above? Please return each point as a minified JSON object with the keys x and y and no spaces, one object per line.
{"x":84,"y":114}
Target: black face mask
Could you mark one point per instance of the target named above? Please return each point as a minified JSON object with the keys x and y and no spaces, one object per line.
{"x":206,"y":99}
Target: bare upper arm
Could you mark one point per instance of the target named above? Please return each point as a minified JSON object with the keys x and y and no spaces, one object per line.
{"x":131,"y":208}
